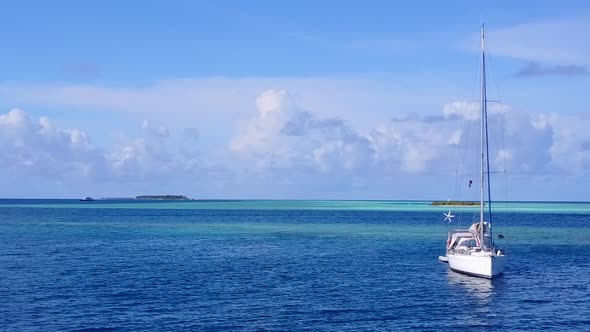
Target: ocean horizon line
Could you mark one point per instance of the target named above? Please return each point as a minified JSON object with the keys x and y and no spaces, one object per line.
{"x":281,"y":199}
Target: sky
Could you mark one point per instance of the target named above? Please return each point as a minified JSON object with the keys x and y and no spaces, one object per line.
{"x":292,"y":99}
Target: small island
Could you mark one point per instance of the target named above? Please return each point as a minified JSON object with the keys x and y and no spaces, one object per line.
{"x":455,"y":203}
{"x":163,"y":197}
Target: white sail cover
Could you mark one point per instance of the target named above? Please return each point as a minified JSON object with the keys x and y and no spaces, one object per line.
{"x":474,"y":230}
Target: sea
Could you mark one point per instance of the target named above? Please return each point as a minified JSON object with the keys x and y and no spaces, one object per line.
{"x":264,"y":265}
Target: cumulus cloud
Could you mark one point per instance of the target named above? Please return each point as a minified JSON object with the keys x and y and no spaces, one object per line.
{"x":570,"y":140}
{"x":284,"y":146}
{"x":215,"y":103}
{"x":284,"y":136}
{"x":413,"y":144}
{"x":41,"y":147}
{"x":470,"y":110}
{"x":519,"y":144}
{"x":139,"y":158}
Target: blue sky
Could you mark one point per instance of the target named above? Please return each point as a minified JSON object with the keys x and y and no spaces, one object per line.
{"x":306,"y":99}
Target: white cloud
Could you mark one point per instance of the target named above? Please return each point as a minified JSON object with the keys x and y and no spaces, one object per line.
{"x":139,"y":158}
{"x":43,"y":148}
{"x":570,"y":148}
{"x":295,"y":150}
{"x":215,"y":103}
{"x":470,"y":110}
{"x":413,"y":144}
{"x":284,"y":136}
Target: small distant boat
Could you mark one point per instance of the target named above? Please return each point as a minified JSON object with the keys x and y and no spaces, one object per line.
{"x":87,"y":199}
{"x":473,"y":251}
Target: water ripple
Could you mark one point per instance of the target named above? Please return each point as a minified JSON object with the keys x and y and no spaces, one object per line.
{"x":136,"y":270}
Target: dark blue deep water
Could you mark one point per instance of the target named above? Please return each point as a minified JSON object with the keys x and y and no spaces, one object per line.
{"x":136,"y":269}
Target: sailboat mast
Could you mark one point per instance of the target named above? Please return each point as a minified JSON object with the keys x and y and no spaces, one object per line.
{"x":482,"y":105}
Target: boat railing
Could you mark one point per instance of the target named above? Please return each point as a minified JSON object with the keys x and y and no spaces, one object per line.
{"x":460,"y":251}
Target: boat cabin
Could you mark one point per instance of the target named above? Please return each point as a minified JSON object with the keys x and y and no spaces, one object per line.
{"x":460,"y":239}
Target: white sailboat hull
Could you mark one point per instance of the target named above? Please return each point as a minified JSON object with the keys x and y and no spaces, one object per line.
{"x":478,"y":264}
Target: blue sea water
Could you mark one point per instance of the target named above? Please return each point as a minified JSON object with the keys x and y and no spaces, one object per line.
{"x":283,"y":266}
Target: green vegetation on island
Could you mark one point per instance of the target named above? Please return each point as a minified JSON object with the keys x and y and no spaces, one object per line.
{"x":455,"y":203}
{"x":163,"y":197}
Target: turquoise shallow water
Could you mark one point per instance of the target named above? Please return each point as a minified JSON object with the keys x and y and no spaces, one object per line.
{"x":283,"y":265}
{"x":415,"y":206}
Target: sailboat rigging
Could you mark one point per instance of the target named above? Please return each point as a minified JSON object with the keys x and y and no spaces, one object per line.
{"x":473,"y":251}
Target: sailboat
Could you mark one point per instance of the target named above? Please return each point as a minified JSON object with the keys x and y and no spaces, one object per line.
{"x":472,"y":251}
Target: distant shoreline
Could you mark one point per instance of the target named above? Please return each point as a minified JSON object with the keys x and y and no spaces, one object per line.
{"x":454,"y":203}
{"x":163,"y":197}
{"x":425,"y":201}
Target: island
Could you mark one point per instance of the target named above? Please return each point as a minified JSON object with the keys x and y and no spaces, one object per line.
{"x":163,"y":197}
{"x":455,"y":203}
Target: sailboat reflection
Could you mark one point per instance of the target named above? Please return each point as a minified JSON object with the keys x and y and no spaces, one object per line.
{"x":481,"y":289}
